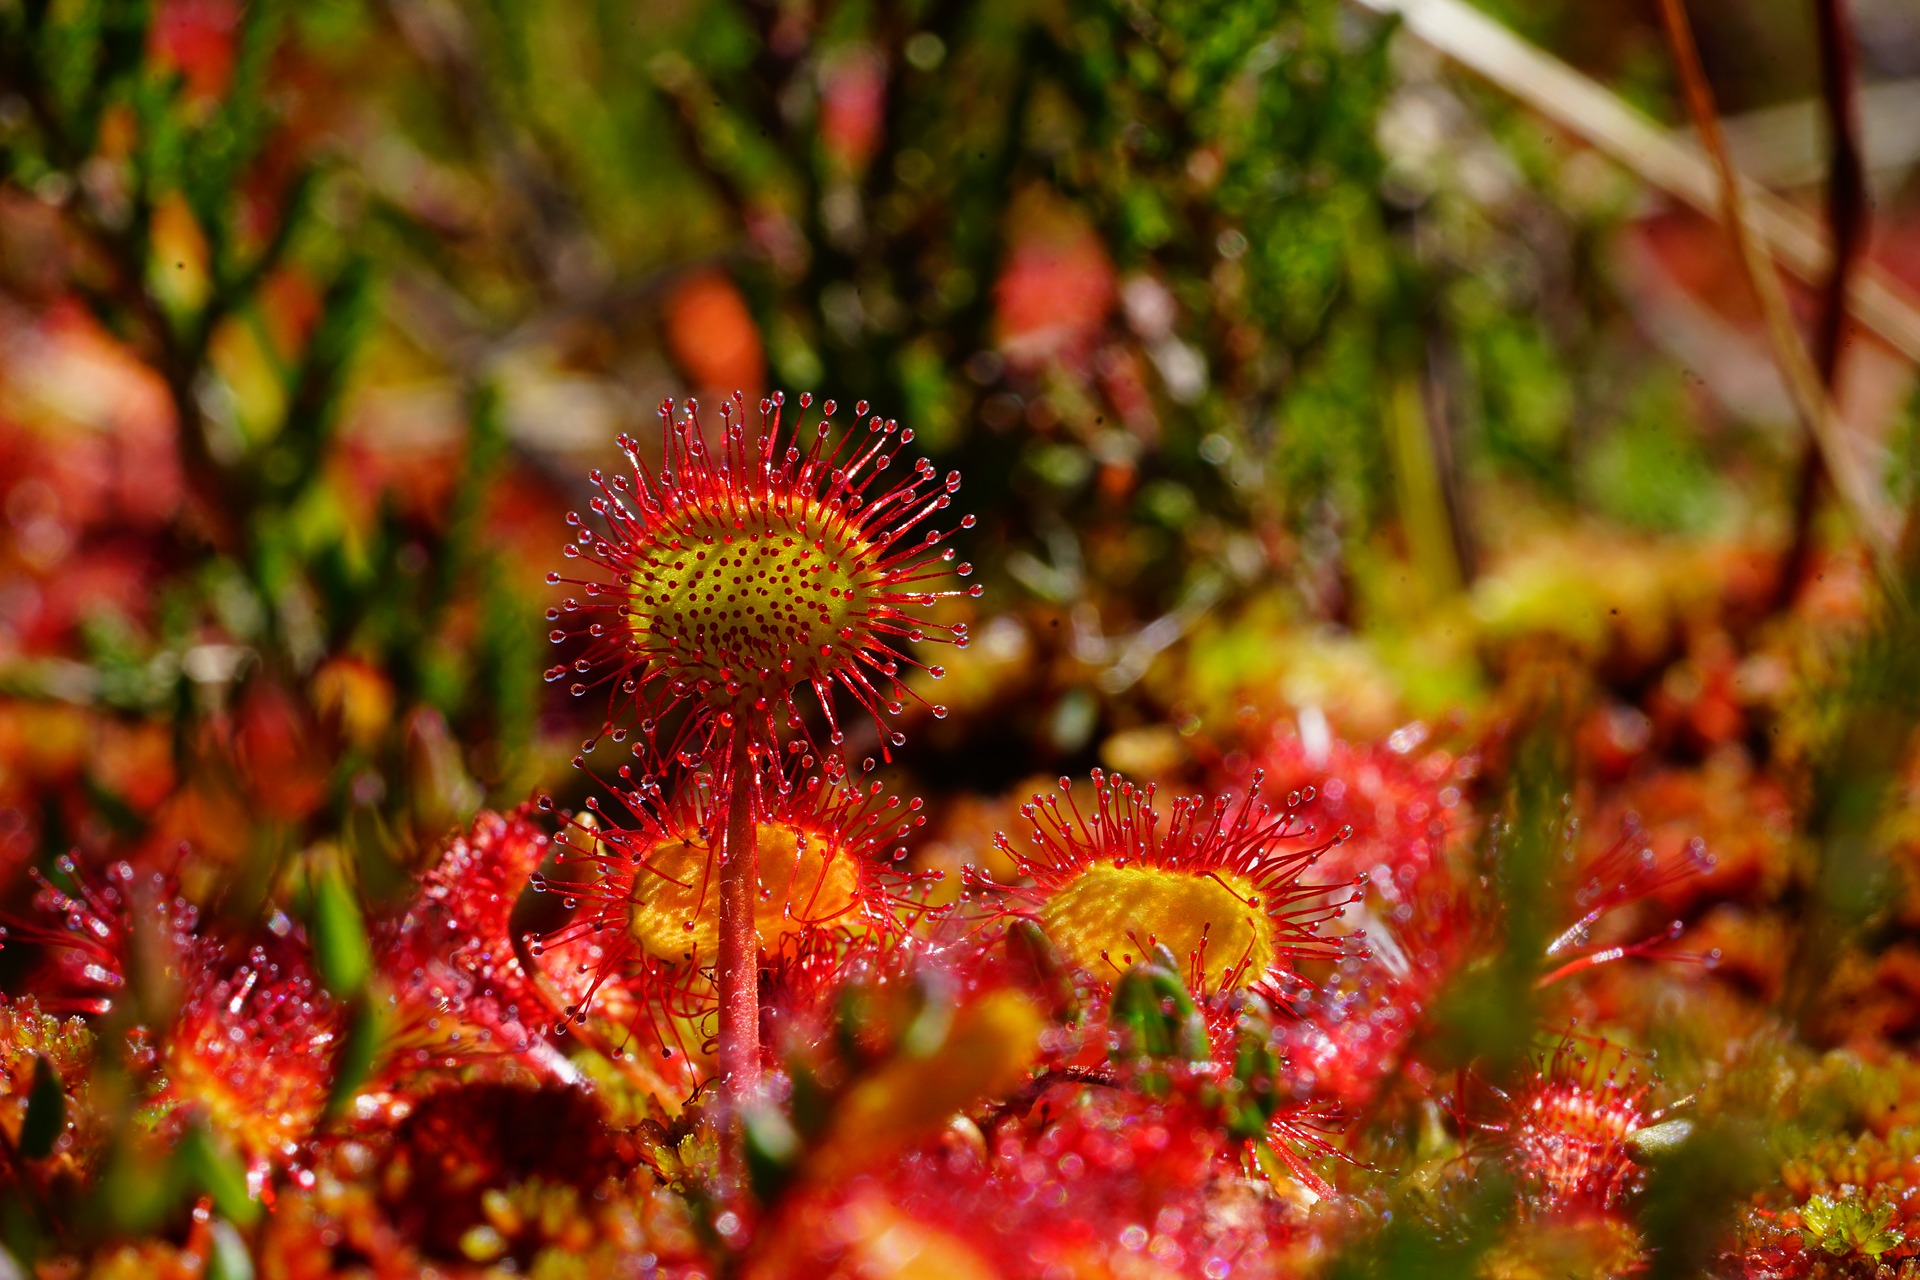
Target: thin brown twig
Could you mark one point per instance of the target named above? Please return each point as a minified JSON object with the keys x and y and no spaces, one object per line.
{"x":1030,"y":1093}
{"x":1846,"y":179}
{"x":1660,"y":159}
{"x":1847,"y":228}
{"x":1871,"y":515}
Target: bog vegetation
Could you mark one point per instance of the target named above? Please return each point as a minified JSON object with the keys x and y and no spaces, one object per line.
{"x":1040,"y":638}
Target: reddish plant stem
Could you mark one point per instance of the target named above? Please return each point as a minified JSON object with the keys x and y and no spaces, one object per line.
{"x":739,"y":965}
{"x":1847,"y":224}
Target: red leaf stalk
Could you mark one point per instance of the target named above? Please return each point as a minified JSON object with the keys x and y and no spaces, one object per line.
{"x":739,"y":961}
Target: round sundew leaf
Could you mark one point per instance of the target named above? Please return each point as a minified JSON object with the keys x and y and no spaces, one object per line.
{"x":1215,"y":882}
{"x":738,"y":573}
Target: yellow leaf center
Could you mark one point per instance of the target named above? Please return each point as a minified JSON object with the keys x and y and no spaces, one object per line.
{"x":1108,"y":916}
{"x":806,"y":882}
{"x":738,"y":601}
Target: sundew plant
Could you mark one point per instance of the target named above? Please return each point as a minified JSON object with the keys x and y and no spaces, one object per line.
{"x":1064,"y":639}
